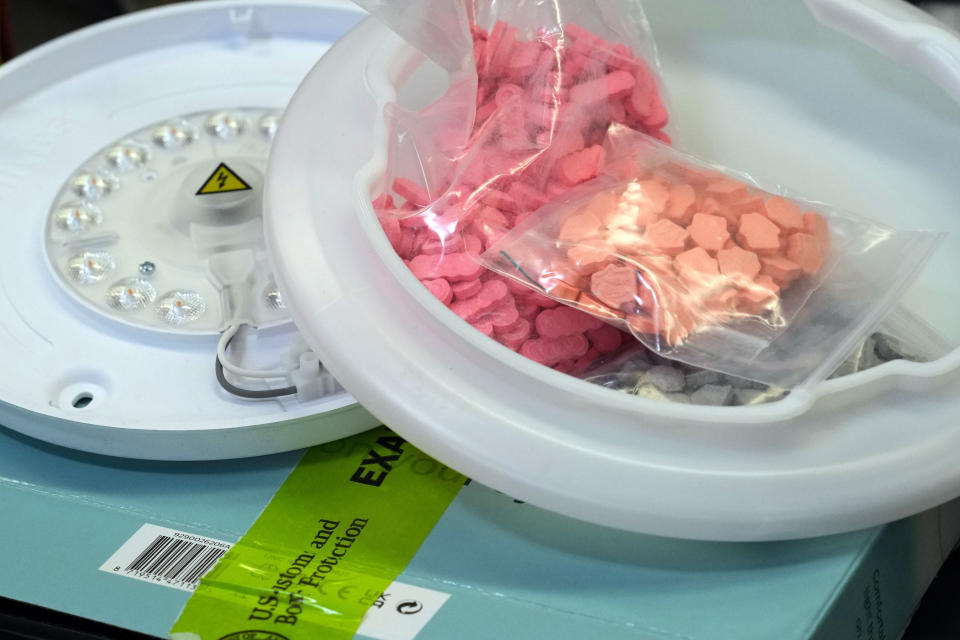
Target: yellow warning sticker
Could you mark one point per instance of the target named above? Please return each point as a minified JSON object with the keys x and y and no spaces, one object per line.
{"x":222,"y":180}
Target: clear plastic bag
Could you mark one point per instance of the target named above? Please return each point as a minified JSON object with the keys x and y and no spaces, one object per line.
{"x":705,"y":267}
{"x":532,"y":89}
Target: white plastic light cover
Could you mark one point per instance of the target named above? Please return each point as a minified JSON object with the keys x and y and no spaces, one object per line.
{"x":105,"y":120}
{"x":783,"y":93}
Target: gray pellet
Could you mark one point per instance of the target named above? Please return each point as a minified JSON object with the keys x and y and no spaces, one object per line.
{"x":713,"y":395}
{"x":666,"y":379}
{"x":886,"y":348}
{"x":743,"y":383}
{"x":697,"y":379}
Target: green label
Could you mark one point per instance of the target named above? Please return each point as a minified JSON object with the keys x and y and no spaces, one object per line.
{"x":340,"y":529}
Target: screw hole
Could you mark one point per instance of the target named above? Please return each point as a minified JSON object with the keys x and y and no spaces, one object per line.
{"x":82,"y":401}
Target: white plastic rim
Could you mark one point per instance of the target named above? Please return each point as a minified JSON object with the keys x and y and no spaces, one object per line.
{"x":858,"y":451}
{"x":71,"y":376}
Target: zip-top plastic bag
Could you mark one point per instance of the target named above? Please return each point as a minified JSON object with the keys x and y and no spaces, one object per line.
{"x":706,"y":267}
{"x":532,"y":89}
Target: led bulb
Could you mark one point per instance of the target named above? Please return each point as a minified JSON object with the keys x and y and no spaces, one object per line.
{"x":174,"y":135}
{"x":130,"y":294}
{"x":226,"y":125}
{"x":78,"y":217}
{"x":127,"y":157}
{"x":269,"y":124}
{"x":179,"y":307}
{"x":273,"y":299}
{"x":94,"y":186}
{"x":90,"y":266}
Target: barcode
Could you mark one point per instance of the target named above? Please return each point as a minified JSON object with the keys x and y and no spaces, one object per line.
{"x":176,"y":560}
{"x":166,"y":557}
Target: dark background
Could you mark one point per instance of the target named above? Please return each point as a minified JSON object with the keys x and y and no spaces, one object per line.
{"x":25,"y":24}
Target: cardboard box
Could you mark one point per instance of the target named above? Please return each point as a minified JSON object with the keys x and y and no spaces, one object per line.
{"x":510,"y":569}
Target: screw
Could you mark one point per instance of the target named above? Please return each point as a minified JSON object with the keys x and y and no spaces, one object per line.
{"x":147,"y":268}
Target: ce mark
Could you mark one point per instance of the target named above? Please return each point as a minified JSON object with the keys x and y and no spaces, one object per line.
{"x":342,"y":593}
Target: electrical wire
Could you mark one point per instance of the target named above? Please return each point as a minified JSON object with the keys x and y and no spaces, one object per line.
{"x":241,"y":392}
{"x":225,"y":339}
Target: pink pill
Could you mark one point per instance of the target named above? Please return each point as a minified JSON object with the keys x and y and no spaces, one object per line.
{"x":504,"y":314}
{"x":529,"y":198}
{"x":564,"y":321}
{"x":581,"y":365}
{"x":404,"y":246}
{"x":519,"y":330}
{"x":391,"y":228}
{"x":517,"y":287}
{"x":472,"y":245}
{"x":440,"y":288}
{"x":466,"y":289}
{"x":550,"y":351}
{"x":524,"y":59}
{"x":527,"y":308}
{"x":449,"y":244}
{"x":581,"y":166}
{"x":490,"y":295}
{"x":658,"y":117}
{"x":411,"y":192}
{"x":384,"y":201}
{"x":453,"y":267}
{"x":611,"y":86}
{"x":484,"y":327}
{"x":605,"y":339}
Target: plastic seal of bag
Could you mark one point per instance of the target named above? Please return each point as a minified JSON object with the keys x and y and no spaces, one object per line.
{"x":530,"y":90}
{"x":705,"y":266}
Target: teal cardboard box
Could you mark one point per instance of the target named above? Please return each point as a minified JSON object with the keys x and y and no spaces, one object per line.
{"x":492,"y":567}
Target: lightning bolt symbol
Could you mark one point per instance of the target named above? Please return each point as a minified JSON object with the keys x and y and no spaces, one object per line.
{"x":222,"y":178}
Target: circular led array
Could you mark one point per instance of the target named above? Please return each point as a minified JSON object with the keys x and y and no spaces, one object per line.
{"x":77,"y":217}
{"x":174,"y":135}
{"x":226,"y":124}
{"x":134,"y":231}
{"x":90,"y":266}
{"x":130,"y":294}
{"x":179,"y":307}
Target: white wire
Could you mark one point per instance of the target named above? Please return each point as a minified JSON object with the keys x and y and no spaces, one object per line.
{"x":225,"y":339}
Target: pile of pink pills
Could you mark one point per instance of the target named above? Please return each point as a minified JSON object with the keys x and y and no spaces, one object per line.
{"x":543,"y":108}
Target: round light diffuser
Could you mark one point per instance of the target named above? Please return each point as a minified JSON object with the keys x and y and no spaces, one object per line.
{"x":139,"y":315}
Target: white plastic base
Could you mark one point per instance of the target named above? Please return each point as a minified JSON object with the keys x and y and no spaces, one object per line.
{"x":767,"y":91}
{"x":137,"y":393}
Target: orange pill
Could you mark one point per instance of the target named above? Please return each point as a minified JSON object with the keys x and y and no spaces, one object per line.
{"x":643,"y":324}
{"x":580,"y":227}
{"x":759,"y":297}
{"x":784,"y":214}
{"x":726,"y":190}
{"x":804,"y":249}
{"x":816,"y":225}
{"x":680,"y":207}
{"x":602,"y":204}
{"x":614,"y":286}
{"x":627,"y":242}
{"x":562,"y":291}
{"x":591,"y":305}
{"x":749,"y":204}
{"x":667,"y":237}
{"x":780,"y":268}
{"x":758,"y":234}
{"x":738,"y":263}
{"x":586,"y":258}
{"x":650,"y":195}
{"x":710,"y":232}
{"x":697,"y":267}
